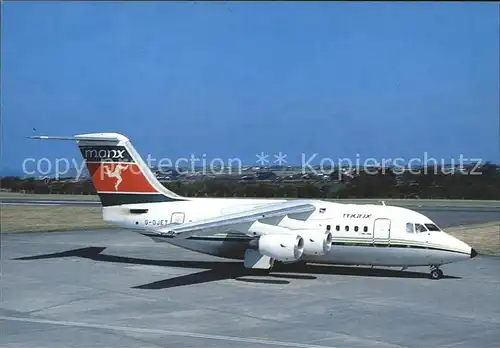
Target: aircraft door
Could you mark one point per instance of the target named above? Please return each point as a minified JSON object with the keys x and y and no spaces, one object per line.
{"x":177,"y":218}
{"x":382,"y":231}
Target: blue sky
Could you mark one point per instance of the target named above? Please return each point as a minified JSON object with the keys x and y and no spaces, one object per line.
{"x":381,"y":80}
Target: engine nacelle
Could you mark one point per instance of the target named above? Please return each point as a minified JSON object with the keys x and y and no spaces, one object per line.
{"x":316,"y":242}
{"x":280,"y":247}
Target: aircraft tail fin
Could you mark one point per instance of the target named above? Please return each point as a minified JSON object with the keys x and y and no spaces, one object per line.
{"x":118,"y":173}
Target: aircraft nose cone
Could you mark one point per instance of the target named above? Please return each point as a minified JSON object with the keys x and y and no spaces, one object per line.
{"x":473,"y":253}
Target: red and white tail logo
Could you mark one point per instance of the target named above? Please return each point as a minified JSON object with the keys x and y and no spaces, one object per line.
{"x":113,"y":169}
{"x":117,"y":172}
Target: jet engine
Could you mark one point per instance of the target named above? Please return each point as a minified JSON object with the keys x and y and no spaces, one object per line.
{"x":316,"y":242}
{"x":280,"y":247}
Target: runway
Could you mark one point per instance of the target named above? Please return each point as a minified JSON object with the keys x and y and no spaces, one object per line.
{"x":444,"y":216}
{"x":47,"y":202}
{"x":119,"y":289}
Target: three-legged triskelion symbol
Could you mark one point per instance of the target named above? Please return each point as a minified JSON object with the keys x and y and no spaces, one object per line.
{"x":116,"y":173}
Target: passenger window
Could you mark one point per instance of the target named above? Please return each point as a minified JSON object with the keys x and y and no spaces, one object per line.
{"x":337,"y":228}
{"x":347,"y":228}
{"x":365,"y":229}
{"x":355,"y":228}
{"x":409,"y":227}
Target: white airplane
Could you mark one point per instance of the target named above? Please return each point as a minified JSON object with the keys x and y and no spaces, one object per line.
{"x":260,"y":231}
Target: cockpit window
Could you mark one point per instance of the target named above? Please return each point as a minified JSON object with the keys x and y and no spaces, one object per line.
{"x":420,"y":228}
{"x":409,"y":227}
{"x":432,"y":227}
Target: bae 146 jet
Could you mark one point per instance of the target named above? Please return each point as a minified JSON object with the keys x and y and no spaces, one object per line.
{"x":261,"y":232}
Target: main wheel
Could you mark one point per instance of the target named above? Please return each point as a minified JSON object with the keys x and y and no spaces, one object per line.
{"x":436,"y":274}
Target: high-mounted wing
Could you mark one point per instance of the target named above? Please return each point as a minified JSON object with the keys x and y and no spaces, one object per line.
{"x":240,"y":220}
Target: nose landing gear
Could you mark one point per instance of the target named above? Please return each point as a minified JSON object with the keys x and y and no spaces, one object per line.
{"x":436,"y":273}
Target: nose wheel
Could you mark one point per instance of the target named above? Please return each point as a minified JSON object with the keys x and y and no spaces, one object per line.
{"x":436,"y":273}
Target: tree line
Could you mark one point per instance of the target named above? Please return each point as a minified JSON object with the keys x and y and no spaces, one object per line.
{"x":483,"y":184}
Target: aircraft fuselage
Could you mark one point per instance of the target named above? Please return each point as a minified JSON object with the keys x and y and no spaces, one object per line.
{"x":375,"y":235}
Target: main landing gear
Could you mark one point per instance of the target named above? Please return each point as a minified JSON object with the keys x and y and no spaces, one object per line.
{"x":436,"y":273}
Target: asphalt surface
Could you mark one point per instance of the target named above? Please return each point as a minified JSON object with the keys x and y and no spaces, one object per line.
{"x":119,"y":289}
{"x":450,"y":217}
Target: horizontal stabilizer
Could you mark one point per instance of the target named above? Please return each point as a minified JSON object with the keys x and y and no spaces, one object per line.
{"x":74,"y":138}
